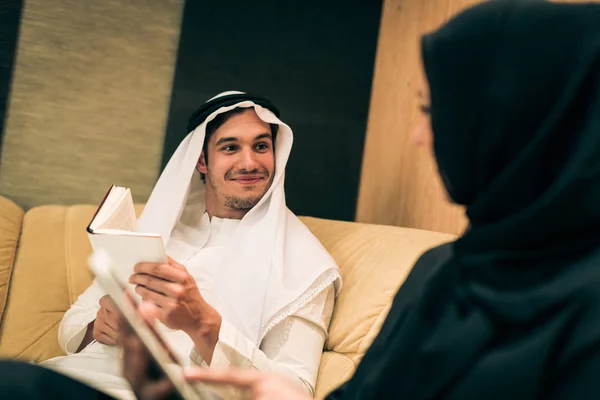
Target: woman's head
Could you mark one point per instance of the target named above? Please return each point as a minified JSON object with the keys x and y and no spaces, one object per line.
{"x":514,"y":92}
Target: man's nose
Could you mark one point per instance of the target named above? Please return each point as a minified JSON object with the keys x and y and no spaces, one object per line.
{"x":248,"y":160}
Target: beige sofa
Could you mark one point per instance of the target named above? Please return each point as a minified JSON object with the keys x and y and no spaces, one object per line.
{"x":43,"y":269}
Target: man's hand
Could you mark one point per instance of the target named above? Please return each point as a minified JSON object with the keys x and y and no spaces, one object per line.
{"x":106,"y":325}
{"x":180,"y":305}
{"x":258,"y":385}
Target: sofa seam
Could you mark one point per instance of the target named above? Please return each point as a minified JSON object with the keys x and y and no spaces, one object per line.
{"x":372,"y":327}
{"x":11,"y":272}
{"x":354,"y":364}
{"x":37,"y":340}
{"x":67,"y":254}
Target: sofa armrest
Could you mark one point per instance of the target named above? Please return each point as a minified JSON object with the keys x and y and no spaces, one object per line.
{"x":50,"y":272}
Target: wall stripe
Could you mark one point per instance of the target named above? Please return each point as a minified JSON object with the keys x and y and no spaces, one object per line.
{"x":314,"y":59}
{"x":10,"y":16}
{"x":89,"y":100}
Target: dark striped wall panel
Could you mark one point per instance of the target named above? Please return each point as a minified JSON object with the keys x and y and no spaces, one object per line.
{"x":89,"y":99}
{"x":313,"y":58}
{"x":10,"y":15}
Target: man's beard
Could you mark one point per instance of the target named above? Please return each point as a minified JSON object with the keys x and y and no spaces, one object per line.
{"x":241,"y":203}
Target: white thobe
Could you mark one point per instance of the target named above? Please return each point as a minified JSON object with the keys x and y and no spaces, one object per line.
{"x":292,"y":348}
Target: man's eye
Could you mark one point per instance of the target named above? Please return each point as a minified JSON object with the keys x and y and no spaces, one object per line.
{"x":229,"y":148}
{"x":262,"y":146}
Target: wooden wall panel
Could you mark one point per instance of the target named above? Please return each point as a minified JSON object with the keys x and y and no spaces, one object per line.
{"x":399,"y":182}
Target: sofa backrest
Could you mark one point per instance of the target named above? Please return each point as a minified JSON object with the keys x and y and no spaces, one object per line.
{"x":375,"y":260}
{"x":50,"y":271}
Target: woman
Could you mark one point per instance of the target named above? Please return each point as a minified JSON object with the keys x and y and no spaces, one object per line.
{"x":511,"y":310}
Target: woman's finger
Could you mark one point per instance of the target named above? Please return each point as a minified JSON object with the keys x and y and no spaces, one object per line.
{"x":148,"y":311}
{"x":242,"y":379}
{"x":135,"y":361}
{"x":156,"y":390}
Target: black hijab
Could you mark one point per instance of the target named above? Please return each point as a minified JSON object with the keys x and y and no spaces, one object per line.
{"x":515,"y":108}
{"x":515,"y":97}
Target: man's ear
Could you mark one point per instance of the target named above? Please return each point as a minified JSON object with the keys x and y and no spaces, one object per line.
{"x":201,"y":164}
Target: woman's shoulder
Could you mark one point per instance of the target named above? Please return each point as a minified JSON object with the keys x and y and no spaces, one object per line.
{"x":426,"y":266}
{"x":437,"y":255}
{"x":581,"y":333}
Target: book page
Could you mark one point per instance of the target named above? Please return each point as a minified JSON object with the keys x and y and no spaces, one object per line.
{"x":122,"y":217}
{"x":122,"y":232}
{"x":106,"y":206}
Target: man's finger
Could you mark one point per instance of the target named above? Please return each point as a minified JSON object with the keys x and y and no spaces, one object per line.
{"x":242,"y":379}
{"x":111,"y":329}
{"x":109,"y":340}
{"x":103,"y":338}
{"x":163,"y":271}
{"x":109,"y":305}
{"x":112,"y":320}
{"x":175,"y":264}
{"x":167,"y":288}
{"x":106,"y":302}
{"x":158,"y":299}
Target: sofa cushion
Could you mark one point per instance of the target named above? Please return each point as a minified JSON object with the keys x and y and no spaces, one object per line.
{"x":11,"y":217}
{"x":374,"y":261}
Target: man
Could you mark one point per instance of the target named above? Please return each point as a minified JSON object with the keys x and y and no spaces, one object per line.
{"x":246,"y":285}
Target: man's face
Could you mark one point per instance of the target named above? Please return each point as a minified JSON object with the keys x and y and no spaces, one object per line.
{"x":241,"y":164}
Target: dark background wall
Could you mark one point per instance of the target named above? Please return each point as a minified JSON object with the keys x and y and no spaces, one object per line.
{"x":314,"y":59}
{"x":10,"y":15}
{"x":101,"y":91}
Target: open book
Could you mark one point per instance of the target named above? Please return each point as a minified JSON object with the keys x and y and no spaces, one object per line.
{"x":113,"y":229}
